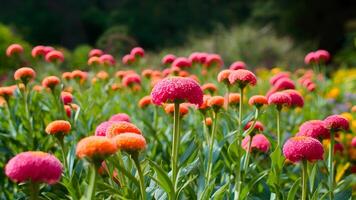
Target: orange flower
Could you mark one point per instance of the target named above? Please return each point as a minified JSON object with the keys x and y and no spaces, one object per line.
{"x":234,"y":98}
{"x":130,"y":142}
{"x":14,"y":49}
{"x":210,"y":87}
{"x":66,"y":75}
{"x":95,"y":147}
{"x":94,"y":61}
{"x":25,"y":74}
{"x":79,"y":75}
{"x":216,"y":102}
{"x":183,"y":109}
{"x":58,"y":126}
{"x":208,"y":121}
{"x":144,"y":102}
{"x":103,"y":75}
{"x":353,"y":109}
{"x":120,"y":127}
{"x":7,"y":91}
{"x":2,"y":101}
{"x":115,"y":86}
{"x":50,"y":82}
{"x":223,"y":76}
{"x":37,"y":88}
{"x":147,"y":73}
{"x":258,"y":101}
{"x":183,"y":73}
{"x":204,"y":105}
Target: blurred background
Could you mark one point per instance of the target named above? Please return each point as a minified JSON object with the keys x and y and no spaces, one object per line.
{"x":259,"y":32}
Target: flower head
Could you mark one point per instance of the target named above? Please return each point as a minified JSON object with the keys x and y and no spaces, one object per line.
{"x":284,"y":84}
{"x":280,"y":99}
{"x":234,"y":98}
{"x":25,"y":74}
{"x":177,"y":89}
{"x":337,"y":123}
{"x":38,"y":51}
{"x":322,"y":55}
{"x":210,"y":87}
{"x":168,"y":59}
{"x":242,"y":77}
{"x":213,"y":60}
{"x":137,"y":52}
{"x":303,"y":148}
{"x":58,"y":127}
{"x":130,"y":142}
{"x":194,"y":57}
{"x":259,"y":142}
{"x":95,"y":148}
{"x":223,"y":76}
{"x":216,"y":102}
{"x":237,"y":65}
{"x":120,"y":117}
{"x":107,"y":59}
{"x":54,"y":55}
{"x":296,"y":97}
{"x":94,"y":61}
{"x":95,"y":53}
{"x":258,"y":101}
{"x":315,"y":129}
{"x":131,"y":79}
{"x":34,"y":166}
{"x":14,"y":49}
{"x":102,"y":128}
{"x":120,"y":127}
{"x":353,"y":142}
{"x":310,"y":58}
{"x":257,"y":128}
{"x":145,"y":101}
{"x":66,"y":98}
{"x":181,"y":62}
{"x":278,"y":76}
{"x":50,"y":82}
{"x":183,"y":109}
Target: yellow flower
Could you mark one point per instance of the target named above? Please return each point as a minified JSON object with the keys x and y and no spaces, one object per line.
{"x":347,"y":115}
{"x":276,"y":70}
{"x":333,"y":93}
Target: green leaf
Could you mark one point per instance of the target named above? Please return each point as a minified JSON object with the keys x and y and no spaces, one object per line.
{"x":219,"y":194}
{"x":162,"y":178}
{"x":293,"y":190}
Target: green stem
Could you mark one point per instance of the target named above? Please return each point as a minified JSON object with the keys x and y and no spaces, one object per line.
{"x":227,"y":98}
{"x":279,"y":139}
{"x":175,"y":148}
{"x":248,"y":153}
{"x":331,"y":165}
{"x":140,"y":174}
{"x":211,"y":147}
{"x":92,"y":183}
{"x":304,"y":180}
{"x":155,"y":118}
{"x":61,"y":144}
{"x":34,"y":189}
{"x":239,"y":137}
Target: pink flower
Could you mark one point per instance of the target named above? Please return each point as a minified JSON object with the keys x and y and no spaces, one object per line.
{"x":213,"y":60}
{"x":177,"y":89}
{"x":128,"y":59}
{"x":54,"y":55}
{"x":102,"y":128}
{"x":131,"y":79}
{"x":278,"y":76}
{"x":38,"y":51}
{"x":296,"y":97}
{"x":181,"y":62}
{"x":258,"y":126}
{"x":95,"y":52}
{"x":303,"y":148}
{"x":237,"y":65}
{"x":284,"y":84}
{"x":66,"y":97}
{"x":34,"y":166}
{"x":315,"y":129}
{"x":14,"y":49}
{"x":107,"y":59}
{"x":338,"y":148}
{"x":120,"y":117}
{"x":310,"y":58}
{"x":202,"y":57}
{"x":194,"y":57}
{"x":280,"y":99}
{"x":137,"y":52}
{"x":243,"y":77}
{"x":337,"y":123}
{"x":223,"y":76}
{"x":322,"y":55}
{"x":259,"y":142}
{"x":353,"y":142}
{"x":168,"y":59}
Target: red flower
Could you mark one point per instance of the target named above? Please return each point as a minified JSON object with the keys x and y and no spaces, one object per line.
{"x":54,"y":55}
{"x":128,"y":59}
{"x":243,"y":77}
{"x":337,"y":123}
{"x":296,"y":97}
{"x":95,"y":52}
{"x":259,"y":142}
{"x":237,"y":65}
{"x":280,"y":99}
{"x":168,"y":59}
{"x":14,"y":49}
{"x":181,"y":62}
{"x":303,"y":148}
{"x":137,"y":52}
{"x":315,"y":129}
{"x":107,"y":59}
{"x":38,"y":51}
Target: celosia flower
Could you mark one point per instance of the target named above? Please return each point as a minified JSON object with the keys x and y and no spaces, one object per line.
{"x":258,"y":101}
{"x":181,"y":62}
{"x":96,"y":148}
{"x":280,"y":99}
{"x":147,"y":73}
{"x":237,"y":65}
{"x":353,"y":142}
{"x":54,"y":56}
{"x":79,"y":75}
{"x":25,"y":74}
{"x":278,"y":76}
{"x":303,"y":148}
{"x":68,"y":108}
{"x":48,"y":49}
{"x":67,"y":75}
{"x":95,"y":52}
{"x":213,"y":60}
{"x":337,"y":123}
{"x":177,"y":89}
{"x":14,"y":49}
{"x":223,"y":76}
{"x":194,"y":57}
{"x":310,"y":58}
{"x":66,"y":98}
{"x":257,"y":128}
{"x":322,"y":55}
{"x":38,"y":51}
{"x":234,"y":98}
{"x":145,"y":101}
{"x":338,"y":148}
{"x":296,"y":97}
{"x":34,"y":166}
{"x":94,"y":61}
{"x":168,"y":59}
{"x":58,"y":127}
{"x":208,"y":121}
{"x":107,"y":59}
{"x":120,"y":127}
{"x":216,"y":102}
{"x":242,"y":77}
{"x":169,"y":109}
{"x":210,"y":87}
{"x":131,"y":79}
{"x":130,"y":142}
{"x":102,"y":128}
{"x":128,"y":59}
{"x":202,"y":57}
{"x":315,"y":129}
{"x":50,"y":82}
{"x":120,"y":117}
{"x":259,"y":142}
{"x":137,"y":52}
{"x":284,"y":84}
{"x":102,"y":75}
{"x":204,"y":105}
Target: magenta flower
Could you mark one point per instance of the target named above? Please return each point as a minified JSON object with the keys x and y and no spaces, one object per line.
{"x":322,"y":55}
{"x":131,"y":79}
{"x":353,"y":142}
{"x":137,"y":52}
{"x":34,"y":166}
{"x":284,"y":84}
{"x":280,"y":99}
{"x":259,"y":142}
{"x":278,"y":76}
{"x":315,"y":129}
{"x":337,"y":123}
{"x":177,"y":89}
{"x":120,"y":117}
{"x":102,"y":128}
{"x":243,"y":77}
{"x":237,"y":65}
{"x":258,"y":126}
{"x":181,"y":62}
{"x":95,"y":52}
{"x":168,"y":59}
{"x":296,"y":97}
{"x":303,"y":148}
{"x":310,"y":58}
